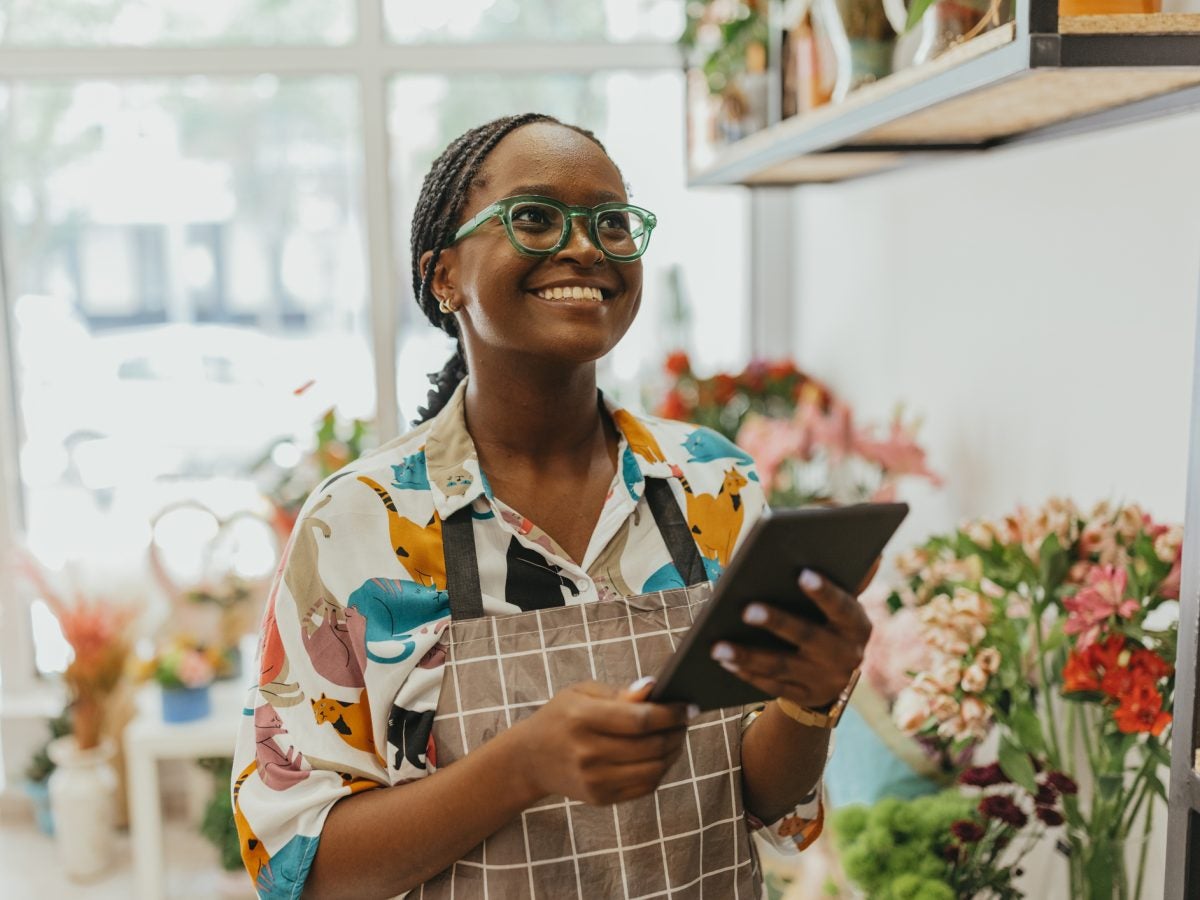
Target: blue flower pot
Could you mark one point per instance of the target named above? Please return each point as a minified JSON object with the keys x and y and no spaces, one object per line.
{"x":185,"y":704}
{"x":39,"y":793}
{"x":872,"y":759}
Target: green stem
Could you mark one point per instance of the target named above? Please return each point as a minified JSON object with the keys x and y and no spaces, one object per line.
{"x":1141,"y":869}
{"x":1044,"y":688}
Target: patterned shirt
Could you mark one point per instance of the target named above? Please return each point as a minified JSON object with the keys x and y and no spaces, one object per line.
{"x":350,"y":667}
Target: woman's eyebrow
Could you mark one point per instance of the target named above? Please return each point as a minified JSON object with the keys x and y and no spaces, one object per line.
{"x":547,"y":190}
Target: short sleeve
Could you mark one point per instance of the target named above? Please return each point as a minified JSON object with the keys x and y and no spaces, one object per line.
{"x":349,"y":677}
{"x":799,"y":827}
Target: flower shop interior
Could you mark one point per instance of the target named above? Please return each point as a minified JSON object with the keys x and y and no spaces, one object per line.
{"x":957,"y":261}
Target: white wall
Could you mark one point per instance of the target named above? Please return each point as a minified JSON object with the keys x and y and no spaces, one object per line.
{"x":1037,"y":305}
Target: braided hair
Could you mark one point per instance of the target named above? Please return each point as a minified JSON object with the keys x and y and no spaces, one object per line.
{"x":435,"y":220}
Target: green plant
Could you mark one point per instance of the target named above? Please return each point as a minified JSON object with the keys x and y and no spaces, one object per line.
{"x":41,"y":766}
{"x":218,"y":825}
{"x":727,"y":33}
{"x":897,"y":849}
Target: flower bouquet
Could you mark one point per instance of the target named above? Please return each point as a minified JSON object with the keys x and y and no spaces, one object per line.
{"x":184,"y":669}
{"x":97,"y":630}
{"x":804,"y":439}
{"x":1057,"y":628}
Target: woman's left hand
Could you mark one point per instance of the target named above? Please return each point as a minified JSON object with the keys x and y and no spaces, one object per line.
{"x":820,"y":658}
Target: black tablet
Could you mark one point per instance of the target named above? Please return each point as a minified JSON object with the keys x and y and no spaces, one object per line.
{"x":840,"y":543}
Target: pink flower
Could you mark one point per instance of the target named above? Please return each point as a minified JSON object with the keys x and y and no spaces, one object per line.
{"x":194,"y":669}
{"x":832,"y":431}
{"x":1095,"y":603}
{"x":771,"y":442}
{"x":897,"y":454}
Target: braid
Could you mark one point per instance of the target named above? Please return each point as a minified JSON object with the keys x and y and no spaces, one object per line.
{"x":435,"y":220}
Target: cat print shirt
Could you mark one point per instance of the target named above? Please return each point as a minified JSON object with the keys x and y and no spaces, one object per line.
{"x":350,"y":668}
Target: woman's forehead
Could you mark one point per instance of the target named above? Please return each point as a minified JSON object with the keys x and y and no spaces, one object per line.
{"x":562,"y":162}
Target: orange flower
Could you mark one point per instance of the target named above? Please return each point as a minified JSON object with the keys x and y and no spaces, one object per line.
{"x":673,"y":406}
{"x":1141,"y":711}
{"x":1078,"y":675}
{"x":724,"y":388}
{"x":678,"y":364}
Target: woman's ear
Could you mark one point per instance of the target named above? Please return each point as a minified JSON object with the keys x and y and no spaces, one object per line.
{"x":443,"y":281}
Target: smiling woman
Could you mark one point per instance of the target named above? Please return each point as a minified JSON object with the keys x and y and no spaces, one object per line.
{"x":475,"y":609}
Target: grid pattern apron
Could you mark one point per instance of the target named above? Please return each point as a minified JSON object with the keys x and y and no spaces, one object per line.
{"x":688,"y":839}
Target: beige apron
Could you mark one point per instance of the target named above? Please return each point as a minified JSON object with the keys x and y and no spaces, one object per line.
{"x":688,"y":839}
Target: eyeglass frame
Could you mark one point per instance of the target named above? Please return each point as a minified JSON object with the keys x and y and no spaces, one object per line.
{"x":503,"y":209}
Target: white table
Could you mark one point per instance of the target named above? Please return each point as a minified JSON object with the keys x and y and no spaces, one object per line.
{"x":148,"y":739}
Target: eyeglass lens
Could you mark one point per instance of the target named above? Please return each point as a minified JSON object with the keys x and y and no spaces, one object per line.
{"x":539,"y":227}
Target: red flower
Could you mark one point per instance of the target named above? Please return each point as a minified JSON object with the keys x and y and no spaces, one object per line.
{"x":1003,"y":808}
{"x":967,"y":831}
{"x":1141,"y":711}
{"x":678,"y":364}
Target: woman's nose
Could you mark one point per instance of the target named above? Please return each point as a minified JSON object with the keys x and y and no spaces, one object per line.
{"x":579,"y":247}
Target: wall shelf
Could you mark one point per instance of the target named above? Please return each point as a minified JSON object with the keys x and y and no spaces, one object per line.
{"x":1014,"y":83}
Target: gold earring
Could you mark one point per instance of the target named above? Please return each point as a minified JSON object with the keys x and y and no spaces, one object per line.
{"x":445,"y":307}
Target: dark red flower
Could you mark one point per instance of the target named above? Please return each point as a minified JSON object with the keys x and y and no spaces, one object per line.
{"x":1050,"y":816}
{"x":1062,"y":782}
{"x":999,"y":806}
{"x":1046,"y":795}
{"x":983,"y":776}
{"x":951,"y":853}
{"x":967,"y":831}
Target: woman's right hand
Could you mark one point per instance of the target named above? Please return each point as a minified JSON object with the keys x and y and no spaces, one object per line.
{"x":600,"y":744}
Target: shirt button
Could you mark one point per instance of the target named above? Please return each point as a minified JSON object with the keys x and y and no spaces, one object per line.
{"x":583,"y":584}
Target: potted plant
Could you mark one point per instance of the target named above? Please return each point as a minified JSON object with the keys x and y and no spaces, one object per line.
{"x":185,"y":670}
{"x":725,"y":43}
{"x":39,"y":770}
{"x":83,"y":784}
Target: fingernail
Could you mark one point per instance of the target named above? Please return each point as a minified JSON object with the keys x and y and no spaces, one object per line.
{"x":810,"y":580}
{"x":731,"y":667}
{"x":755,"y":614}
{"x":722,"y":652}
{"x":644,"y":681}
{"x":693,"y":710}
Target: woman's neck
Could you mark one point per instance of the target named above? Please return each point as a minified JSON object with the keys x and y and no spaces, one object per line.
{"x":535,"y":413}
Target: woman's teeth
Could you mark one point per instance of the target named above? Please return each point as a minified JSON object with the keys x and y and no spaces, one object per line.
{"x":571,"y":293}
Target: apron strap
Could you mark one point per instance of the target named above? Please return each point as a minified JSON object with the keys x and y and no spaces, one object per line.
{"x":462,"y":565}
{"x":675,"y":531}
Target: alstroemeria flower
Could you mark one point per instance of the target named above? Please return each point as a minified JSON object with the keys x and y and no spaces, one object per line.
{"x":1099,"y":600}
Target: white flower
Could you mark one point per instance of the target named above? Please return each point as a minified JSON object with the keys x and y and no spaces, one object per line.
{"x":974,"y":679}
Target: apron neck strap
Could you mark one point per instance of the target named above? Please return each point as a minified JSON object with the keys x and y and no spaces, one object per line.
{"x":462,"y":563}
{"x":675,"y":531}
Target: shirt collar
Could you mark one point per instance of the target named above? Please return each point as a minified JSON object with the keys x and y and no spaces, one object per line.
{"x":452,"y":461}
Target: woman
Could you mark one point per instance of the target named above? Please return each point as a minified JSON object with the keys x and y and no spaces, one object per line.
{"x":483,"y":591}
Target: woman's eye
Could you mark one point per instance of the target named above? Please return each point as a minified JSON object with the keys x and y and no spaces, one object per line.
{"x":531,"y":215}
{"x":614,"y":221}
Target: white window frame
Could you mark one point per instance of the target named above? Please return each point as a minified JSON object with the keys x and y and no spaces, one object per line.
{"x":372,"y":59}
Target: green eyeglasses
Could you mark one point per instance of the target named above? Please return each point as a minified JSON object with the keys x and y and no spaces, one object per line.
{"x":540,"y":226}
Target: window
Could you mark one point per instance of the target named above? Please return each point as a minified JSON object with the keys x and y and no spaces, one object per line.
{"x":184,"y":252}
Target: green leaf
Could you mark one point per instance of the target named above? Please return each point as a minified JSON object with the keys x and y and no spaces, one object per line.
{"x":1028,"y":729}
{"x":915,"y":12}
{"x":1053,"y":562}
{"x":1016,"y":765}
